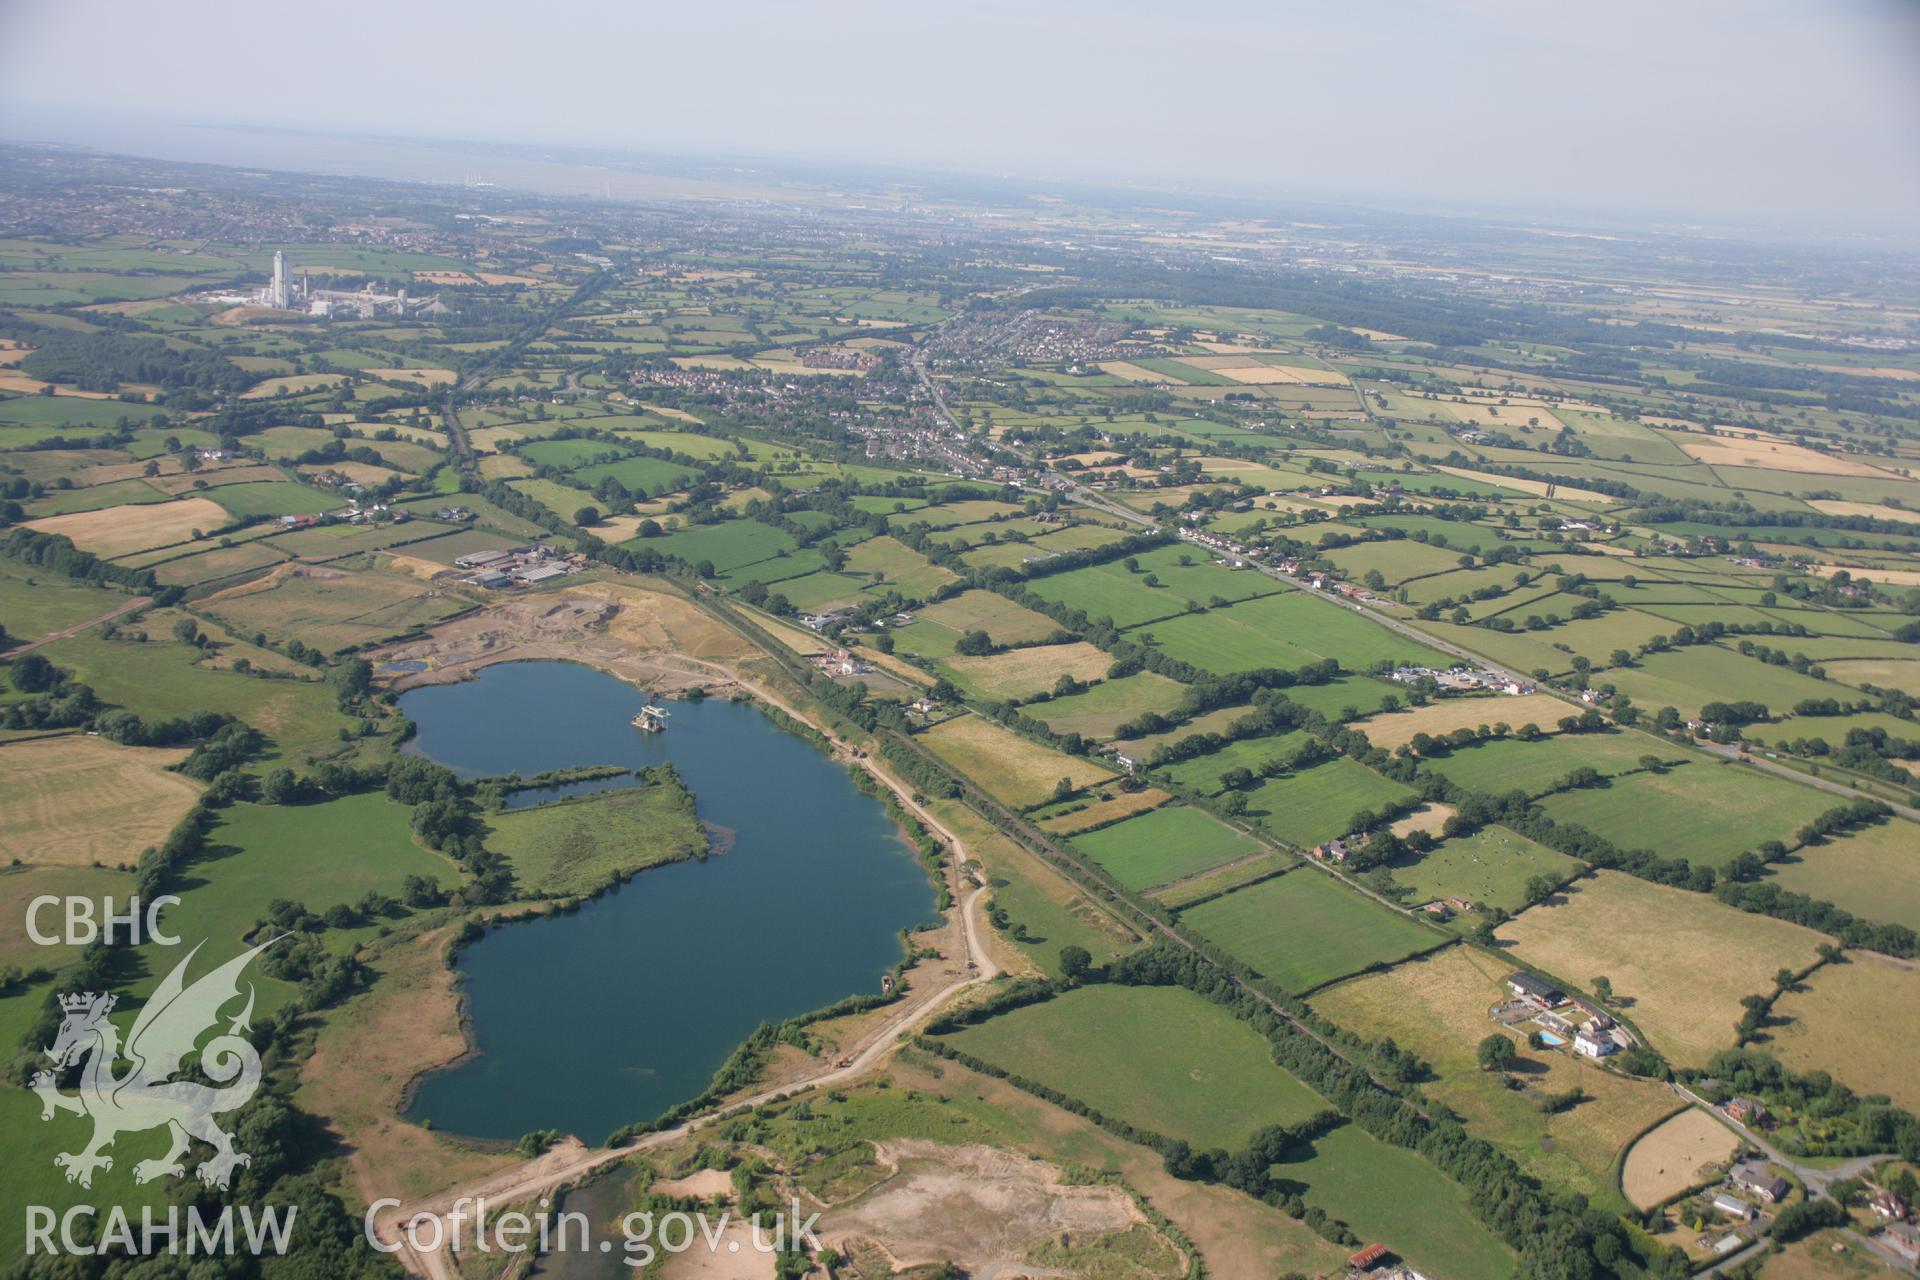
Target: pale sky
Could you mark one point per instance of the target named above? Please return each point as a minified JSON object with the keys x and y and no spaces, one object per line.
{"x":1756,"y":112}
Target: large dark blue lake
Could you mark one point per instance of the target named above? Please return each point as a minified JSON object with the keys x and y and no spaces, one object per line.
{"x":593,"y":1020}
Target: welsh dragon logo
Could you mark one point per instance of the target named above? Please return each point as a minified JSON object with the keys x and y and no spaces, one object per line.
{"x":145,"y":1097}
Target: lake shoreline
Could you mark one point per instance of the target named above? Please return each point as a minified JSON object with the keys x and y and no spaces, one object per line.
{"x":777,"y":715}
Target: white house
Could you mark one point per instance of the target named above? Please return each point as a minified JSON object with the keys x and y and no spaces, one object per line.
{"x":1594,"y":1045}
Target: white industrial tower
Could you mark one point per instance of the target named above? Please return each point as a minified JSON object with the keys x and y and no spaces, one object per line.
{"x":277,"y":291}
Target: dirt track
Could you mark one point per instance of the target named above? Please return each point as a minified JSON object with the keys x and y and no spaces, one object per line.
{"x":571,"y":1160}
{"x":136,"y":603}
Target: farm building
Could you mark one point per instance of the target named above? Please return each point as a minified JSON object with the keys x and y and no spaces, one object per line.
{"x":1594,"y":1045}
{"x":533,"y":573}
{"x":479,"y":559}
{"x":1754,"y":1176}
{"x":1887,"y":1205}
{"x":1526,"y":986}
{"x":1732,"y":1205}
{"x":1745,"y":1110}
{"x":1368,"y":1258}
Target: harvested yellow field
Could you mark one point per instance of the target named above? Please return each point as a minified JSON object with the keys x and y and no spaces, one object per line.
{"x":293,"y":384}
{"x":1538,"y":488}
{"x":1894,"y":577}
{"x":359,"y":472}
{"x":1685,"y":1152}
{"x":1294,"y":375}
{"x":1871,"y":371}
{"x":1436,"y":1006}
{"x":1682,"y":960}
{"x":1012,"y":769}
{"x":1873,"y":510}
{"x":1021,"y":673}
{"x":444,"y":278}
{"x":1771,"y":455}
{"x":497,"y":277}
{"x":77,"y":800}
{"x":617,"y":528}
{"x":793,"y":368}
{"x":1247,"y":369}
{"x":115,"y":531}
{"x":488,"y":439}
{"x":425,"y":377}
{"x":21,"y":383}
{"x":185,"y":481}
{"x":728,"y":364}
{"x":506,"y":466}
{"x":1133,"y":372}
{"x":425,"y":570}
{"x":1392,"y":729}
{"x":1123,"y":805}
{"x":1890,"y":672}
{"x":12,"y":352}
{"x":1838,"y":1024}
{"x":1429,"y":818}
{"x":1489,"y":412}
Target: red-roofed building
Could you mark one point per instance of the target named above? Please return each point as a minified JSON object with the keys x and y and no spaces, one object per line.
{"x":1368,"y":1258}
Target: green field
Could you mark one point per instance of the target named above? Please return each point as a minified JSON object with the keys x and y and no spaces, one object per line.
{"x":1166,"y":844}
{"x":1202,"y":773}
{"x":159,"y":679}
{"x":639,"y":475}
{"x":566,"y":454}
{"x":33,"y":604}
{"x":578,"y":846}
{"x":937,"y":626}
{"x":1210,"y":1079}
{"x":274,"y":498}
{"x":1222,"y":645}
{"x":1314,"y":806}
{"x":1499,"y":765}
{"x":561,"y":499}
{"x":67,"y":412}
{"x":318,"y":855}
{"x":1305,"y":929}
{"x":1334,"y":699}
{"x":1705,"y":813}
{"x":890,"y":563}
{"x":1286,"y":630}
{"x":1688,"y":678}
{"x":1490,"y":867}
{"x":1391,"y":1195}
{"x":1113,"y":591}
{"x":28,"y":1175}
{"x":94,"y":497}
{"x":1107,"y":705}
{"x":728,"y":545}
{"x":1873,"y":873}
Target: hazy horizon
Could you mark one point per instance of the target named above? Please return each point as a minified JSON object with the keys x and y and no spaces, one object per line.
{"x":1765,"y":114}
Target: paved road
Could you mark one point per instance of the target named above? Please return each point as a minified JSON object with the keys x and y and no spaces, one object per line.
{"x":138,"y":602}
{"x":1815,"y":1180}
{"x":1099,"y":502}
{"x":1710,"y":748}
